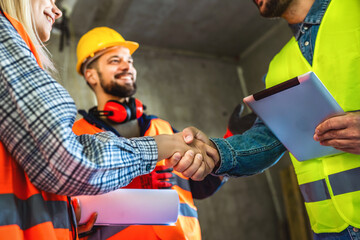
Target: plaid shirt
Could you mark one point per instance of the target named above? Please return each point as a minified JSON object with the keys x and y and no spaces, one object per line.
{"x":36,"y":118}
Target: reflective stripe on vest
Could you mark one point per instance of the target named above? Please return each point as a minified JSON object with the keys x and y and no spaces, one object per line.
{"x":341,"y":183}
{"x":187,"y":211}
{"x":315,"y":191}
{"x":329,"y":184}
{"x":182,"y":183}
{"x":16,"y":210}
{"x":27,"y":211}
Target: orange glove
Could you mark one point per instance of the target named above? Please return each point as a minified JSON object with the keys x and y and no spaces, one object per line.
{"x":160,"y":178}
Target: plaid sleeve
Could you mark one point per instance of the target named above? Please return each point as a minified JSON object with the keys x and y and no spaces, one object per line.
{"x":36,"y":118}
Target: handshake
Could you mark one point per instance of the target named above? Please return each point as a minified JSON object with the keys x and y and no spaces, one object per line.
{"x":189,"y":152}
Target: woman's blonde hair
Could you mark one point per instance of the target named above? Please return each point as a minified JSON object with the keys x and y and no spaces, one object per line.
{"x":21,"y":10}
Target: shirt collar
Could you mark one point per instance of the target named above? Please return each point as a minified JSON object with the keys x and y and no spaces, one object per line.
{"x":313,"y":17}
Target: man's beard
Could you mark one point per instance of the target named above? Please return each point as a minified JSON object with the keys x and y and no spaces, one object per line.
{"x":118,"y":90}
{"x":275,"y":8}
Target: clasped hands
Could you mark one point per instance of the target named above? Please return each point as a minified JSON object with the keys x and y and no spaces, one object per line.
{"x":189,"y":152}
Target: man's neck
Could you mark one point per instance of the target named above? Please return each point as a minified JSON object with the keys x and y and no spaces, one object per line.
{"x":129,"y":129}
{"x":297,"y":11}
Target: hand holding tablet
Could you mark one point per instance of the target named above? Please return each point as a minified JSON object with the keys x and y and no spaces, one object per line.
{"x":293,"y":109}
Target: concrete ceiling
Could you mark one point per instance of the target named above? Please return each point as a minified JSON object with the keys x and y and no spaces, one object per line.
{"x":216,"y":27}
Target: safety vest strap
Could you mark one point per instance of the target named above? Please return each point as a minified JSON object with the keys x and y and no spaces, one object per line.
{"x":182,"y":183}
{"x":187,"y":211}
{"x":17,"y":212}
{"x":315,"y":191}
{"x":345,"y":182}
{"x":342,"y":182}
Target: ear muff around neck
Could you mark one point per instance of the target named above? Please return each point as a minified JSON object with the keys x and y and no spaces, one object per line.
{"x":122,"y":112}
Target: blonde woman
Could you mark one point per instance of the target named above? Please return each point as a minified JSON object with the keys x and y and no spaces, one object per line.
{"x":41,"y":160}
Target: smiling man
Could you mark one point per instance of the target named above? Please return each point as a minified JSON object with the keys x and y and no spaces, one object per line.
{"x":105,"y":61}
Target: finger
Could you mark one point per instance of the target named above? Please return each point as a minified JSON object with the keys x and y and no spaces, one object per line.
{"x":341,"y":143}
{"x":202,"y":137}
{"x":163,"y":168}
{"x":77,"y":209}
{"x":191,"y":170}
{"x":185,"y":161}
{"x":201,"y":173}
{"x":350,"y":150}
{"x":189,"y":133}
{"x":89,"y":224}
{"x":332,"y":134}
{"x":332,"y":123}
{"x":169,"y":163}
{"x":162,"y":176}
{"x":165,"y":185}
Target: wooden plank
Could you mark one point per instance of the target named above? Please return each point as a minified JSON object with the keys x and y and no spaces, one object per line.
{"x":298,"y":221}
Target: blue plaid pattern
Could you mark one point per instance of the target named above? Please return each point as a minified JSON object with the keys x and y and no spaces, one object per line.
{"x":36,"y":118}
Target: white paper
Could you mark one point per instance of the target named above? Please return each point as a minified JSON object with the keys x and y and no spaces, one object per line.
{"x":132,"y":206}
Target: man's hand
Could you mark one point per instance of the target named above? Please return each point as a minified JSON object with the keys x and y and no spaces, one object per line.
{"x":196,"y":166}
{"x":341,"y":132}
{"x":194,"y":159}
{"x":192,"y":133}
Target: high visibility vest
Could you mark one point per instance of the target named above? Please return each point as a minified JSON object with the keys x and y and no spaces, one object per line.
{"x":187,"y":226}
{"x":26,"y":211}
{"x":330,"y":185}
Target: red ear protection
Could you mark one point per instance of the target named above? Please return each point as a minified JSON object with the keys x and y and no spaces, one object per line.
{"x":122,"y":112}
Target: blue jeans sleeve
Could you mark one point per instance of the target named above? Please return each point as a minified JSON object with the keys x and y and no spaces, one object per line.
{"x":249,"y":153}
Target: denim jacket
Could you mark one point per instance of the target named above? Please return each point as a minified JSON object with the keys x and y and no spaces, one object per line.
{"x":249,"y":153}
{"x":258,"y":148}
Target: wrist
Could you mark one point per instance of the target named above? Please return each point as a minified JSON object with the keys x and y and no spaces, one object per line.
{"x":217,"y":165}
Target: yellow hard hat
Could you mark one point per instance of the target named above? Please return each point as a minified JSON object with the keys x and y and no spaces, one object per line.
{"x":98,"y":39}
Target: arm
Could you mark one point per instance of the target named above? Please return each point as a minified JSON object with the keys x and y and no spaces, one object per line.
{"x":36,"y":120}
{"x":341,"y":132}
{"x":244,"y":154}
{"x":37,"y":115}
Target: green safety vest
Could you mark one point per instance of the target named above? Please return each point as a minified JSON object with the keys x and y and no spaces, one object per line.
{"x":330,"y":185}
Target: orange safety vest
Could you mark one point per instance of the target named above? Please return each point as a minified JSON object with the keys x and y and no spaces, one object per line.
{"x":26,"y":211}
{"x":187,"y":225}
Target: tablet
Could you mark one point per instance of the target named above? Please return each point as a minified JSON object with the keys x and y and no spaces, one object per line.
{"x":132,"y":206}
{"x":293,"y":109}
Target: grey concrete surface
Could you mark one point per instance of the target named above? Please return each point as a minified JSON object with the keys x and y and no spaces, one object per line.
{"x":219,"y":27}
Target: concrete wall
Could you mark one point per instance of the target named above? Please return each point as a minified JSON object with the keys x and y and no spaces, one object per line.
{"x":256,"y":58}
{"x":191,"y":89}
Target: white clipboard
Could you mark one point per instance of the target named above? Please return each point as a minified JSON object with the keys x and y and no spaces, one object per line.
{"x":293,"y":109}
{"x":132,"y":206}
